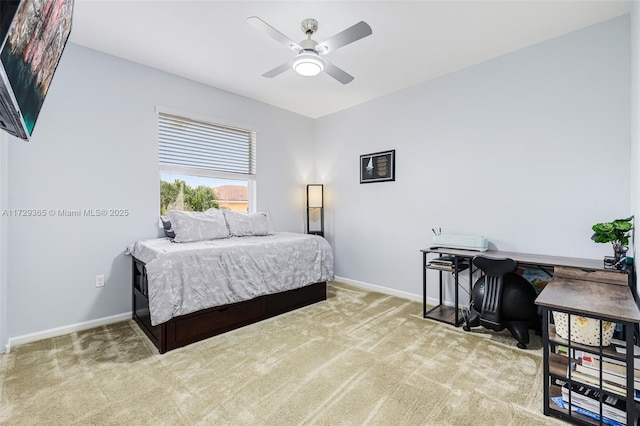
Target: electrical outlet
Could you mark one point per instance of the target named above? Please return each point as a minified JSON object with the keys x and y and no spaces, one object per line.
{"x":100,"y":280}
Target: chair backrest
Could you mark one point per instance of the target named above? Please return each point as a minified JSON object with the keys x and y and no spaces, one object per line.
{"x":494,"y":271}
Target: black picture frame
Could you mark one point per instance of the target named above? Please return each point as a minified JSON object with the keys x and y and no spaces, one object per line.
{"x":378,"y":167}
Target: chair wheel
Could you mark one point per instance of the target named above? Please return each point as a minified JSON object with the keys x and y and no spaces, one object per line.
{"x":521,"y":345}
{"x":466,"y":328}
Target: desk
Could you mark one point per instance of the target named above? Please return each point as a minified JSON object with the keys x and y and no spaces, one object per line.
{"x":580,"y":287}
{"x":462,"y":260}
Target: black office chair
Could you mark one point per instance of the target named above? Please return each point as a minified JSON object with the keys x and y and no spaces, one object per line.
{"x":501,"y":299}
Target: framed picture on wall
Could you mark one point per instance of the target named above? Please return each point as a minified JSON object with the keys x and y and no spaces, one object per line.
{"x":378,"y":167}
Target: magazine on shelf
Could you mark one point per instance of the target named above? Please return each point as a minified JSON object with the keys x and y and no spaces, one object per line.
{"x":596,"y":416}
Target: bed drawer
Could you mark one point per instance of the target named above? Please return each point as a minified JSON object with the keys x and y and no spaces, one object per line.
{"x":216,"y":320}
{"x":293,"y":299}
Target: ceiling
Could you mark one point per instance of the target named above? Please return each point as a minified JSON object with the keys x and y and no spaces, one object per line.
{"x":412,"y":41}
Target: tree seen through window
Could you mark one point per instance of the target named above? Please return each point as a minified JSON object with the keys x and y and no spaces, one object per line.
{"x":181,"y":196}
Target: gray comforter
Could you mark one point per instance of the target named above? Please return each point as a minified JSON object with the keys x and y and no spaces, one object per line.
{"x":188,"y":277}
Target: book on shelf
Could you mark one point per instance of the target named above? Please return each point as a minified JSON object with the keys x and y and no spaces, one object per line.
{"x":621,"y":347}
{"x":440,"y":267}
{"x":617,"y":378}
{"x":608,"y":377}
{"x":441,"y":261}
{"x":609,"y":365}
{"x":562,"y":350}
{"x":589,"y":399}
{"x":615,"y":388}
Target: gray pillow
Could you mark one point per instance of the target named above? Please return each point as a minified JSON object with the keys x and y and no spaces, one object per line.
{"x":168,"y":231}
{"x":198,"y":226}
{"x":247,"y":224}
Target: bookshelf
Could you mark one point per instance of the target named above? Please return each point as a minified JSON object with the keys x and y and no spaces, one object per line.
{"x":581,"y":384}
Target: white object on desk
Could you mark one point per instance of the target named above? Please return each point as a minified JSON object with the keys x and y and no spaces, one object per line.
{"x":465,"y":242}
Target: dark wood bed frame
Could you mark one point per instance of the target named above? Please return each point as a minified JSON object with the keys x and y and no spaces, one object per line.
{"x":185,"y":329}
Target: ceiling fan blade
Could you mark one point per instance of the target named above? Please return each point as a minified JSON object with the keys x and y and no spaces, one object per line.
{"x":351,"y":34}
{"x":260,"y":25}
{"x":337,"y":73}
{"x":279,"y":69}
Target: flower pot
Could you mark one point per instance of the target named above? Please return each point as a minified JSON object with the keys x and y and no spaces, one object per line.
{"x":619,"y":251}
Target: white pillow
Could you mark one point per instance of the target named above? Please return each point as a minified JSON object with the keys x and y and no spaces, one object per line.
{"x":247,"y":224}
{"x":198,"y":226}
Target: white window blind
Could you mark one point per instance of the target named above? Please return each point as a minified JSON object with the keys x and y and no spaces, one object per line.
{"x":184,"y":142}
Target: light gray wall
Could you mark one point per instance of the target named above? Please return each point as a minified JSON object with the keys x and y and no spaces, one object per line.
{"x":547,"y":126}
{"x":3,"y":239}
{"x":94,"y":147}
{"x":529,"y":149}
{"x":635,"y":122}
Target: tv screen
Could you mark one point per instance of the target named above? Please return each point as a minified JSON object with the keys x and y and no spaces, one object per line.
{"x":32,"y":45}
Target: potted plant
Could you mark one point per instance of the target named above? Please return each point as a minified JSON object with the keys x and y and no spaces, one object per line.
{"x":616,"y":232}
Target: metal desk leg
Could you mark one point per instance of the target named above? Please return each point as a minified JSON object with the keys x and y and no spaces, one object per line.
{"x":632,"y":415}
{"x":424,"y":284}
{"x":440,"y":278}
{"x":545,"y":363}
{"x":456,"y":275}
{"x":470,"y":278}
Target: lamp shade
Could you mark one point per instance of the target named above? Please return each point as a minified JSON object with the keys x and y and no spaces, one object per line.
{"x":308,"y":64}
{"x":314,"y":196}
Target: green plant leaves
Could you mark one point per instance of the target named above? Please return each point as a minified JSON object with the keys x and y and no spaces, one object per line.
{"x":603,"y":228}
{"x":622,"y":225}
{"x":610,"y":232}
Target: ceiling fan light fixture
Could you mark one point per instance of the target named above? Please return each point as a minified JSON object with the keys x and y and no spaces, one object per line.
{"x":308,"y":64}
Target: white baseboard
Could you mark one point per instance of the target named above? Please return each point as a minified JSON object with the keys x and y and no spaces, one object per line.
{"x":390,"y":291}
{"x":59,"y":331}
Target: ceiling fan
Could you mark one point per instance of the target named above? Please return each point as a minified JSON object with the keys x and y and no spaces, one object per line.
{"x":309,"y":61}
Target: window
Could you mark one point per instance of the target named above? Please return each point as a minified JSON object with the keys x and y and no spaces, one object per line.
{"x":205,"y":165}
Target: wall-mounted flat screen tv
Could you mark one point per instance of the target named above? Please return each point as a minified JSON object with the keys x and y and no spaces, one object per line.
{"x":33,"y":35}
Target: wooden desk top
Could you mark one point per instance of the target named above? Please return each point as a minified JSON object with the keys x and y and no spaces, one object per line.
{"x":590,"y":298}
{"x":524,"y":258}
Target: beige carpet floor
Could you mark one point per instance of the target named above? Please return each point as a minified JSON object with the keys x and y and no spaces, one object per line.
{"x":358,"y":358}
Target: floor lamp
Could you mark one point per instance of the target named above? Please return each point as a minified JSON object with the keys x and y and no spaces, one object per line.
{"x":315,"y":209}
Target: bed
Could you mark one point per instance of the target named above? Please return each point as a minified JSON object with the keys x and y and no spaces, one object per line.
{"x":184,"y":293}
